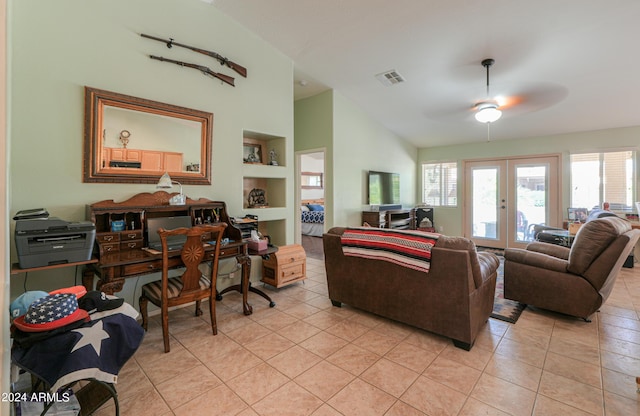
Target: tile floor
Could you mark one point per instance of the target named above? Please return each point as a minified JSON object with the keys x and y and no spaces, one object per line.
{"x":306,"y":357}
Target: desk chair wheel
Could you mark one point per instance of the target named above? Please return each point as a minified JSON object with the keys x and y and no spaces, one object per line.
{"x":272,"y":304}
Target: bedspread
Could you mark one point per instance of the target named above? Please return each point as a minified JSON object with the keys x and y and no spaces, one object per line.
{"x":313,"y":217}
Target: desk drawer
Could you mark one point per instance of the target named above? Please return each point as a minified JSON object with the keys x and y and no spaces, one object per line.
{"x":131,"y":235}
{"x":292,"y":272}
{"x":107,"y":238}
{"x":109,"y":247}
{"x":148,"y":267}
{"x":130,"y":244}
{"x":230,"y":251}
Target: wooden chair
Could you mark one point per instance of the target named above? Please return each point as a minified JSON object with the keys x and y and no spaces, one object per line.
{"x":192,"y":285}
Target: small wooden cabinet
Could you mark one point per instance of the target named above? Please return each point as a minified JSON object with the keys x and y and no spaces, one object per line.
{"x":285,"y":266}
{"x":146,"y":160}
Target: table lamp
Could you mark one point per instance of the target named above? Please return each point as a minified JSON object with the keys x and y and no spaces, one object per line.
{"x":165,"y":182}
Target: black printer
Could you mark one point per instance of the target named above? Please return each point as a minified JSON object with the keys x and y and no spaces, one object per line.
{"x":45,"y":241}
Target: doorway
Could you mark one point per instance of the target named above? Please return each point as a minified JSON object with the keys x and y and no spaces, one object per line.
{"x":310,"y":172}
{"x":505,"y":198}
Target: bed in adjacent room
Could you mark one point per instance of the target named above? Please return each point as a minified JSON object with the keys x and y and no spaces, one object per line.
{"x":312,"y":216}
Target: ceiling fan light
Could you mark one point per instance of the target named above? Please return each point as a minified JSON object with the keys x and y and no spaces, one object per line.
{"x":488,"y":114}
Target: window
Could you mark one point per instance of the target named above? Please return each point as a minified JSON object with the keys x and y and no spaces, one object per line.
{"x":440,"y":182}
{"x":603,"y":177}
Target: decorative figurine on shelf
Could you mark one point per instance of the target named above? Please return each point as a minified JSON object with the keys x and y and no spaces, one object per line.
{"x":252,"y":157}
{"x":124,"y":138}
{"x":273,"y":161}
{"x":257,"y":198}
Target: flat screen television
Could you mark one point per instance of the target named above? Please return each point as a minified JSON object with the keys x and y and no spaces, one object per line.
{"x":384,"y":188}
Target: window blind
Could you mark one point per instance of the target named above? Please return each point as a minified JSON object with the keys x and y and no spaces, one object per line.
{"x":440,"y":181}
{"x":603,"y":177}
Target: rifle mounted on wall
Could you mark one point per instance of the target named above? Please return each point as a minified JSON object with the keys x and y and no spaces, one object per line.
{"x":223,"y":61}
{"x":205,"y":70}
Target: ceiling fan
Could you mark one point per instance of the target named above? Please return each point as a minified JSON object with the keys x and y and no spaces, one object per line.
{"x":488,"y":111}
{"x":494,"y":101}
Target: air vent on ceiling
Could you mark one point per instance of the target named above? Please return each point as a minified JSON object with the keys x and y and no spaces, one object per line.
{"x":389,"y":78}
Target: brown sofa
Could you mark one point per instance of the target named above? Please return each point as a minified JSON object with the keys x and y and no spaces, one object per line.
{"x":574,"y":281}
{"x":454,"y":299}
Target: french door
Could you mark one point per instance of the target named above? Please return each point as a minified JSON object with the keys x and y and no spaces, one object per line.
{"x":505,"y":198}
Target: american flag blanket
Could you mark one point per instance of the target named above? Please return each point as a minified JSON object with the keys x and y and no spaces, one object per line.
{"x":410,"y":249}
{"x":97,"y":349}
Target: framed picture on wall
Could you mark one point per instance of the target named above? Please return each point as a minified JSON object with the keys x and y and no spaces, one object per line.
{"x":252,"y":153}
{"x":577,"y":214}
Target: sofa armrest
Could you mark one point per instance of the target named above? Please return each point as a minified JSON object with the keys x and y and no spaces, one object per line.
{"x":536,"y":259}
{"x":489,"y":263}
{"x":554,"y":250}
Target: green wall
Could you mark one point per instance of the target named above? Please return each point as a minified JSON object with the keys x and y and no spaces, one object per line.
{"x":451,"y":219}
{"x":355,"y":144}
{"x":58,"y":47}
{"x":314,"y":121}
{"x":313,"y":129}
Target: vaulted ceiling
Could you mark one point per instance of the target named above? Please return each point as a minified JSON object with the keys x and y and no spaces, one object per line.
{"x":560,"y":66}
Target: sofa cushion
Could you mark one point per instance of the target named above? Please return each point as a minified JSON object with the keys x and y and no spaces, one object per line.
{"x":592,"y":239}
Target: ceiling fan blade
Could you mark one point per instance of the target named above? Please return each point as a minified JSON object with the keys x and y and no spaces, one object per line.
{"x":533,"y":97}
{"x":512,"y":101}
{"x":449,"y":113}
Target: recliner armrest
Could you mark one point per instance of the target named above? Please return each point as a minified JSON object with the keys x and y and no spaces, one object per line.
{"x":554,"y":250}
{"x":536,"y":259}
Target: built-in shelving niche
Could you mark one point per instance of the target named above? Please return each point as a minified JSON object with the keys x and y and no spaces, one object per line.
{"x":271,"y":179}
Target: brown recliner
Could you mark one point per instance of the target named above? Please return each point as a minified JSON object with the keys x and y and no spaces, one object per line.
{"x":575,"y":281}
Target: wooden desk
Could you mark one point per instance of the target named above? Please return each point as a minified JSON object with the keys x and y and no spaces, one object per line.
{"x":16,"y":269}
{"x":114,"y":268}
{"x":121,"y":254}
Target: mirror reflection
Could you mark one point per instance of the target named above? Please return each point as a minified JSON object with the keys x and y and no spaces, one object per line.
{"x":129,"y":139}
{"x":311,"y":180}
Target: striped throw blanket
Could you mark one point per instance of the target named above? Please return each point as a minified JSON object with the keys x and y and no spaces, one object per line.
{"x":410,"y":249}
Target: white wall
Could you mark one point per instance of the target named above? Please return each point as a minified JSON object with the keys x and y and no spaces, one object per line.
{"x":361,"y":144}
{"x":62,"y":46}
{"x":355,"y":144}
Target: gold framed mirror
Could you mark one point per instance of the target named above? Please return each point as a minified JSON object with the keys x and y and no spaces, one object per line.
{"x":134,"y":140}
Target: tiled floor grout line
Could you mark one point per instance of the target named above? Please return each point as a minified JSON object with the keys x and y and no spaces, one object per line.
{"x":298,"y":303}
